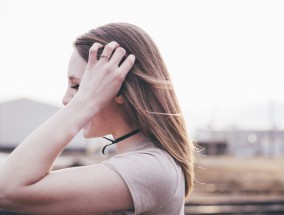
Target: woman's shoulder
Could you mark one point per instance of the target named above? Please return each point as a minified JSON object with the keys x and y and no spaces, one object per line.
{"x":152,"y":176}
{"x":149,"y":160}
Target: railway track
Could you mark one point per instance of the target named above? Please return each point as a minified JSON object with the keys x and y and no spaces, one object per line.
{"x":247,"y":207}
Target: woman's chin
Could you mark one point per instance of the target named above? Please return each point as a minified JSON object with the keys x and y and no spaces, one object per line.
{"x":87,"y":131}
{"x":86,"y":134}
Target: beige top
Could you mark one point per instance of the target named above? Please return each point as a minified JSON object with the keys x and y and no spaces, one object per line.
{"x":155,"y":180}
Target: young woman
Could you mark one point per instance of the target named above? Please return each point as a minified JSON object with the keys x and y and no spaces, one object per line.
{"x":119,"y":85}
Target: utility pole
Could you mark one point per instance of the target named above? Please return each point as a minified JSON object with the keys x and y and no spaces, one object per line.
{"x":272,"y":127}
{"x":0,"y":128}
{"x":212,"y":150}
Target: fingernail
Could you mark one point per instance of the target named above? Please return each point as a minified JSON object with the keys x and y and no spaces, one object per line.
{"x":132,"y":58}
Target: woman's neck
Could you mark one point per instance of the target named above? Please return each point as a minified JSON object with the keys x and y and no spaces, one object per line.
{"x":129,"y":143}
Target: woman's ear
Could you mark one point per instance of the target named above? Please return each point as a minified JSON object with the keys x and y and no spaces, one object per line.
{"x":119,"y":99}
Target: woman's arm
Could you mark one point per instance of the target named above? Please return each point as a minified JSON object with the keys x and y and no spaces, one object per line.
{"x":33,"y":158}
{"x":26,"y":182}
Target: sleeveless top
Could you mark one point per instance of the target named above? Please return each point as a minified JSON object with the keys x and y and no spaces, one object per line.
{"x":155,"y":180}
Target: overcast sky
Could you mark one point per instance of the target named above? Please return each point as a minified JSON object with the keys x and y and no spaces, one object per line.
{"x":220,"y":53}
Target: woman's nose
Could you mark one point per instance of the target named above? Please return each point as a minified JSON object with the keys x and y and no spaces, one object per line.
{"x":66,"y":99}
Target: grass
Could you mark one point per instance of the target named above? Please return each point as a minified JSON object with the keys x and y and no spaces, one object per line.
{"x":235,"y":175}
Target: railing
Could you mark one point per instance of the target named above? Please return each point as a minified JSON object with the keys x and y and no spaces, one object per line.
{"x":248,"y":207}
{"x":2,"y":212}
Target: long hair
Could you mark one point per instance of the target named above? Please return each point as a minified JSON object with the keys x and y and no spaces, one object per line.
{"x":148,"y":93}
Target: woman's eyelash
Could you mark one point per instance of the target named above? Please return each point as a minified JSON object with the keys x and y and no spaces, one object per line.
{"x":75,"y":86}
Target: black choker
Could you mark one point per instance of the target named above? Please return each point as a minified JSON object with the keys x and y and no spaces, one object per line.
{"x":119,"y":139}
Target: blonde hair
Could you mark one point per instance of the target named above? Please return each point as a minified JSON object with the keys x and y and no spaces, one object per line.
{"x":148,"y":93}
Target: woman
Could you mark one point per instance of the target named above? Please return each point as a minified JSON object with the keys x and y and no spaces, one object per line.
{"x":119,"y":85}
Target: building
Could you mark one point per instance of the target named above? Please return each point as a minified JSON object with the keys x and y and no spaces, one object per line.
{"x":241,"y":142}
{"x":19,"y":118}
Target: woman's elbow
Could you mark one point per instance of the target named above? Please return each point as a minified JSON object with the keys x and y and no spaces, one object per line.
{"x":3,"y":187}
{"x":7,"y":196}
{"x":3,"y":198}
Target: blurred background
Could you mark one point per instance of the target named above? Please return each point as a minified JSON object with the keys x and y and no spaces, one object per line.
{"x":225,"y":58}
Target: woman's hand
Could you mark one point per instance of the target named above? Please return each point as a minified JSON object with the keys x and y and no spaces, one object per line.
{"x":103,"y":78}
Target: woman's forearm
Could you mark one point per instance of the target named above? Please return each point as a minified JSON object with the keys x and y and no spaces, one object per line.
{"x":34,"y":157}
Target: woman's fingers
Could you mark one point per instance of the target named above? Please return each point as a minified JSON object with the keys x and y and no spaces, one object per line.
{"x":117,"y":56}
{"x":114,"y":59}
{"x":108,"y":50}
{"x":93,"y":53}
{"x":127,"y":65}
{"x":112,"y":55}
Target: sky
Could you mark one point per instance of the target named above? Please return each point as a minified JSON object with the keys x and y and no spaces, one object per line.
{"x":221,"y":54}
